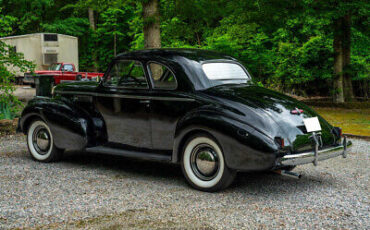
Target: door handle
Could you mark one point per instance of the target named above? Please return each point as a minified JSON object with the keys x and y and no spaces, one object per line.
{"x":144,"y":101}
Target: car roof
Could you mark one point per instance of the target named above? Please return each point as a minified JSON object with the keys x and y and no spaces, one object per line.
{"x":169,"y":53}
{"x":185,"y":63}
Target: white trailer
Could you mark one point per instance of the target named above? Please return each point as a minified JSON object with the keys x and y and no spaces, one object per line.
{"x":44,"y":49}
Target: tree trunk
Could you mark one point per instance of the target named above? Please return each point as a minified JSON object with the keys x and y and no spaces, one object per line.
{"x":115,"y":44}
{"x":348,"y":89}
{"x":198,"y":39}
{"x":338,"y":62}
{"x":91,"y":18}
{"x":152,"y":33}
{"x":93,"y":28}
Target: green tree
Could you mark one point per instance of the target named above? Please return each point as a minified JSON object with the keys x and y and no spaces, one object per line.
{"x":342,"y":14}
{"x":288,"y":45}
{"x":9,"y":61}
{"x":151,"y":27}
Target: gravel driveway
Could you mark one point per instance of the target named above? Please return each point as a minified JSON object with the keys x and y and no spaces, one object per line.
{"x":105,"y":192}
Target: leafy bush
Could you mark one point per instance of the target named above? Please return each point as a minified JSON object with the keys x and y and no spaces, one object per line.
{"x":287,"y":45}
{"x":9,"y":104}
{"x":10,"y":62}
{"x":5,"y":111}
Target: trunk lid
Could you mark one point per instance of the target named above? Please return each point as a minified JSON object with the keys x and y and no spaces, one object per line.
{"x":278,"y":108}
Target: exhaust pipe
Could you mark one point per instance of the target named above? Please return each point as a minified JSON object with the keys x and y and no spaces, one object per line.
{"x":288,"y":174}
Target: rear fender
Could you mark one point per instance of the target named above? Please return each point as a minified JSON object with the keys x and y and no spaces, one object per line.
{"x":244,"y":148}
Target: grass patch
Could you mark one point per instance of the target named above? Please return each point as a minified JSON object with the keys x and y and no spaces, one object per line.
{"x":328,"y":103}
{"x":353,"y":121}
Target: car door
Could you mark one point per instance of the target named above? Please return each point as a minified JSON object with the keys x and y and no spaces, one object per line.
{"x":124,"y":103}
{"x":167,"y":105}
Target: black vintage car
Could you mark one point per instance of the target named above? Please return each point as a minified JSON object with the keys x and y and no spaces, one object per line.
{"x":194,"y":107}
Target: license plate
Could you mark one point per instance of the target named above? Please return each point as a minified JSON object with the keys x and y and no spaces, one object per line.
{"x":312,"y":124}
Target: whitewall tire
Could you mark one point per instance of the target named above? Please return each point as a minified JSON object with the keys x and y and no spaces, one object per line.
{"x":40,"y":142}
{"x":203,"y":164}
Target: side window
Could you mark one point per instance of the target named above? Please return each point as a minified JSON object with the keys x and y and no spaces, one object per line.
{"x":162,"y":77}
{"x":68,"y":68}
{"x":128,"y":74}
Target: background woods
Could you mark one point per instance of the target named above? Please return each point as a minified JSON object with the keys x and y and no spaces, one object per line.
{"x":303,"y":47}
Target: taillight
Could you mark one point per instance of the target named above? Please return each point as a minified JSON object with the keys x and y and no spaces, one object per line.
{"x":337,"y":131}
{"x":296,"y":111}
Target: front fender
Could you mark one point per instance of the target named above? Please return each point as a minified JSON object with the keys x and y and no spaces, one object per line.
{"x":244,"y":148}
{"x":71,"y":127}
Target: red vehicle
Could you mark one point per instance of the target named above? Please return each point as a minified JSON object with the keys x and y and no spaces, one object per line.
{"x":61,"y":72}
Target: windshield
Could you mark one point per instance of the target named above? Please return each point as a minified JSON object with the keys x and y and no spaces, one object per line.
{"x":54,"y":66}
{"x":219,"y":73}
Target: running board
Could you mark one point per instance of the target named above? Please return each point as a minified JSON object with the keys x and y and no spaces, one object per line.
{"x":129,"y":153}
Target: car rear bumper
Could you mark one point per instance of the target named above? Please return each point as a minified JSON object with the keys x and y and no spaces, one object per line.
{"x":312,"y":157}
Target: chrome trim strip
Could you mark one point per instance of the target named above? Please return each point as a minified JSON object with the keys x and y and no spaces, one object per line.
{"x":126,"y":96}
{"x":42,"y":97}
{"x":128,"y":153}
{"x":309,"y":157}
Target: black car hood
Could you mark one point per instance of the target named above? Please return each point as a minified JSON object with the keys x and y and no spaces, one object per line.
{"x":270,"y":112}
{"x":81,"y":86}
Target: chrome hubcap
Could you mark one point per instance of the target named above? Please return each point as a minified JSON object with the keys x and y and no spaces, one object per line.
{"x":204,"y":162}
{"x":41,"y":140}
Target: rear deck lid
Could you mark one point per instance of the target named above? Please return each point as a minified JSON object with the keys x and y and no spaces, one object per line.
{"x":287,"y":113}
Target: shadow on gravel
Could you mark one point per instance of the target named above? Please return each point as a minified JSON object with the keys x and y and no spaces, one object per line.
{"x":245,"y":182}
{"x":124,"y":164}
{"x":283,"y":187}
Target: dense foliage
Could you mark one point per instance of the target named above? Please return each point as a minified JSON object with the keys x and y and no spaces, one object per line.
{"x":10,"y":62}
{"x":286,"y":44}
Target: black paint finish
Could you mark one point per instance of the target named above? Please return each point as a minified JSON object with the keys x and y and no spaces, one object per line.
{"x":247,"y":121}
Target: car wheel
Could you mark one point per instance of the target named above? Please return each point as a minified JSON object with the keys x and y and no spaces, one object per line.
{"x":78,"y":78}
{"x":40,"y":142}
{"x":204,"y":166}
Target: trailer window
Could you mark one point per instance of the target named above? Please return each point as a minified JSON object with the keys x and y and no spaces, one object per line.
{"x":50,"y":59}
{"x":50,"y":37}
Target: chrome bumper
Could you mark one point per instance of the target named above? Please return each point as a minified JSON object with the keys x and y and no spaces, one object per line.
{"x":320,"y":155}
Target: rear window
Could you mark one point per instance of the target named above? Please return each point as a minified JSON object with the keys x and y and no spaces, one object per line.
{"x":224,"y":71}
{"x":54,"y":66}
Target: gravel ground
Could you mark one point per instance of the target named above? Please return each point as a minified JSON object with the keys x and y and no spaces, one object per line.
{"x":104,"y":192}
